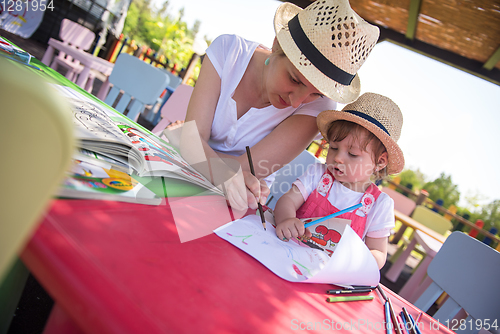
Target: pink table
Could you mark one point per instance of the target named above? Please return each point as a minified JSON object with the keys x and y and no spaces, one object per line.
{"x":120,"y":268}
{"x":86,"y":59}
{"x":397,"y":267}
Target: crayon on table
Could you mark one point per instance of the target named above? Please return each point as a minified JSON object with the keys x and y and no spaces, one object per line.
{"x":401,"y":325}
{"x":388,"y":322}
{"x":419,"y":316}
{"x":348,"y":299}
{"x":394,"y":318}
{"x":409,"y":322}
{"x":379,"y":288}
{"x":348,"y":291}
{"x":415,"y":324}
{"x":405,"y":324}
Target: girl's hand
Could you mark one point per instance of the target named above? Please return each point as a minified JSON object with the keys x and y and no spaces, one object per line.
{"x":244,"y":190}
{"x":291,"y":228}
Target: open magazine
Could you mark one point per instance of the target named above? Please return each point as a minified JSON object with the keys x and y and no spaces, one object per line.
{"x":89,"y":181}
{"x":110,"y":140}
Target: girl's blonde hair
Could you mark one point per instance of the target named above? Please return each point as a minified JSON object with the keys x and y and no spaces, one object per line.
{"x":339,"y":130}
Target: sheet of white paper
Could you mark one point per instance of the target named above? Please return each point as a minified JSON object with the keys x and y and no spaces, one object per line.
{"x":351,"y":263}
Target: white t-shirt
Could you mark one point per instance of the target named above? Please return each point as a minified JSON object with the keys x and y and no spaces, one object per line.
{"x":380,"y":219}
{"x":230,"y":55}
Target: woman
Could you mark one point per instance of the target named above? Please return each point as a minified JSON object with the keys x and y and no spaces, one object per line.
{"x":248,"y":95}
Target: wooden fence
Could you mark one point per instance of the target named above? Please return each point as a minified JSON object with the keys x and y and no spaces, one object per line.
{"x":421,"y":198}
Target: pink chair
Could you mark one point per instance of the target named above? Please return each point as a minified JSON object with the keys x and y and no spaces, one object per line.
{"x":79,"y":37}
{"x":175,"y":108}
{"x":404,"y":205}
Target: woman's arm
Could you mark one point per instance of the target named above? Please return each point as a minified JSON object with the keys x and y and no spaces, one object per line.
{"x":282,"y":145}
{"x":378,"y":248}
{"x":201,"y":110}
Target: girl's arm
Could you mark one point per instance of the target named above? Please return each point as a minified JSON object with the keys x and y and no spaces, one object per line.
{"x":378,"y":248}
{"x":287,"y":224}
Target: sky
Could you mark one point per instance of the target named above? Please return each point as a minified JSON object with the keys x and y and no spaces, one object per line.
{"x":451,"y":118}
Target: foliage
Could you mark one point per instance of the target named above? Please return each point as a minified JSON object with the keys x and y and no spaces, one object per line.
{"x":166,"y":34}
{"x":443,"y":188}
{"x":490,"y":214}
{"x":412,"y":179}
{"x":472,"y":201}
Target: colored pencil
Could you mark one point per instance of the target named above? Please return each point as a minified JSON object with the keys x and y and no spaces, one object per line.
{"x":394,"y":318}
{"x":348,"y":298}
{"x":408,"y":321}
{"x":415,"y":324}
{"x":347,"y":291}
{"x":387,"y":318}
{"x":401,"y":325}
{"x":333,"y":215}
{"x":379,"y":288}
{"x":261,"y":211}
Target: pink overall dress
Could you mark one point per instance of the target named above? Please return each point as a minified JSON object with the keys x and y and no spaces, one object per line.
{"x":317,"y":204}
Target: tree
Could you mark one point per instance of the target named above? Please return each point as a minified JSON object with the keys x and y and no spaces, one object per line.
{"x":138,"y":14}
{"x":161,"y":32}
{"x":490,"y":214}
{"x":415,"y":178}
{"x":443,"y":188}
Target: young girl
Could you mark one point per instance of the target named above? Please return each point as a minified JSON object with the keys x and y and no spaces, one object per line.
{"x":363,"y":146}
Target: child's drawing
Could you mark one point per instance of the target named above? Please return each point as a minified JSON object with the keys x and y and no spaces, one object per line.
{"x":241,"y":236}
{"x":350,"y":263}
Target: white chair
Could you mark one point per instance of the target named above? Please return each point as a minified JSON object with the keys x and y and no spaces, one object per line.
{"x":175,"y":108}
{"x":175,"y":80}
{"x":288,"y":174}
{"x":467,"y":270}
{"x":135,"y":79}
{"x":77,"y":36}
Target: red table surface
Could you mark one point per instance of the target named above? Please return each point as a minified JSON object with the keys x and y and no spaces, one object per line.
{"x":121,"y":268}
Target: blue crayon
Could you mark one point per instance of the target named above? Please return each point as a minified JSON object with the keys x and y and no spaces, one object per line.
{"x":354,"y":207}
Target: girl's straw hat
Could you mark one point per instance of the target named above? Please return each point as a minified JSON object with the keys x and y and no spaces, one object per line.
{"x":379,"y":115}
{"x":327,"y":42}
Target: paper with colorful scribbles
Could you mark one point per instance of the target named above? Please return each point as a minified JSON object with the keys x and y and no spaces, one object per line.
{"x":350,"y":261}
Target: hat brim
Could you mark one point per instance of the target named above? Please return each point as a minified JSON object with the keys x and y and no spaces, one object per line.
{"x":328,"y":87}
{"x":395,"y":154}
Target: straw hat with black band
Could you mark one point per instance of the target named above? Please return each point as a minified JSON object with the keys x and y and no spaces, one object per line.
{"x":327,"y":42}
{"x":379,"y":115}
